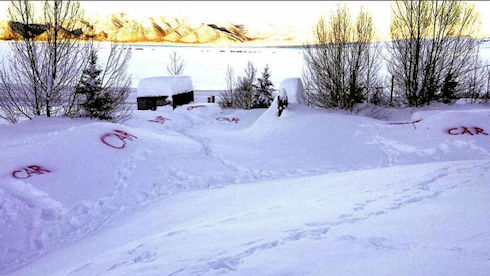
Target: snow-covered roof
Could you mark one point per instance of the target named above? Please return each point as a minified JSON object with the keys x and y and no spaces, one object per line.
{"x":164,"y":86}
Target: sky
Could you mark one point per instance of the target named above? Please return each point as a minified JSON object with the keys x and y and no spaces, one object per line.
{"x":298,"y":16}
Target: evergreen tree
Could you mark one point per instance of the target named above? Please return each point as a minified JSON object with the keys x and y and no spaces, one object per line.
{"x":263,"y":94}
{"x":448,"y":90}
{"x":94,"y":101}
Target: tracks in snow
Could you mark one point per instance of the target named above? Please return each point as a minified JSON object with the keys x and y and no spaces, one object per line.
{"x":430,"y":187}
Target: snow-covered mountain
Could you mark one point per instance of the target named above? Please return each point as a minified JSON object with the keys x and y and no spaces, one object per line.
{"x":122,"y":28}
{"x":200,"y":190}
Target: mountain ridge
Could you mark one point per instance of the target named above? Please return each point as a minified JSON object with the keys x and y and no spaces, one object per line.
{"x":122,"y":28}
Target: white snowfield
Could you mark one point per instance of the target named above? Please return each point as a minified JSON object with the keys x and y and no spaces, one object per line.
{"x":204,"y":191}
{"x":164,"y":86}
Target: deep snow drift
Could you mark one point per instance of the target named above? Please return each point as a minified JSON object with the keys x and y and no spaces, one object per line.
{"x":407,"y":196}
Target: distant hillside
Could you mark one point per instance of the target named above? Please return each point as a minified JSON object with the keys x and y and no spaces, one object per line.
{"x":122,"y":28}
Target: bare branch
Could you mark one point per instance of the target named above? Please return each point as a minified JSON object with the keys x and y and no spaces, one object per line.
{"x":343,"y":62}
{"x":176,"y":66}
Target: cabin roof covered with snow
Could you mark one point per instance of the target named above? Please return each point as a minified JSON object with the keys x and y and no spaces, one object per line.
{"x":164,"y":86}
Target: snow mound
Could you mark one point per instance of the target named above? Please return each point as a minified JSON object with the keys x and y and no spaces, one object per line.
{"x":310,"y":140}
{"x":450,"y":118}
{"x":293,"y":87}
{"x":74,"y":174}
{"x":269,"y":114}
{"x":199,"y":113}
{"x":164,"y":86}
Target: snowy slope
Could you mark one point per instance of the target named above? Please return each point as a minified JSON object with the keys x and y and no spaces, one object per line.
{"x":319,"y":141}
{"x":410,"y":220}
{"x":99,"y":187}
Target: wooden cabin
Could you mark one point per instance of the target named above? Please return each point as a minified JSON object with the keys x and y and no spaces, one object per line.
{"x":160,"y":91}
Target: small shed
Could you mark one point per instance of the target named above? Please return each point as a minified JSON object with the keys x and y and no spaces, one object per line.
{"x":159,"y":91}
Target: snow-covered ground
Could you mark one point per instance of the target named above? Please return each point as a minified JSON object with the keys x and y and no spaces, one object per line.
{"x":200,"y":190}
{"x":204,"y":191}
{"x":410,"y":220}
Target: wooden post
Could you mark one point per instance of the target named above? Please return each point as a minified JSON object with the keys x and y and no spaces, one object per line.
{"x":488,"y":85}
{"x":391,"y":93}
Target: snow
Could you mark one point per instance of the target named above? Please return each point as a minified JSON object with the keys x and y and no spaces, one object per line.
{"x":192,"y":193}
{"x":293,"y":87}
{"x":313,"y":192}
{"x":429,"y":220}
{"x":164,"y":86}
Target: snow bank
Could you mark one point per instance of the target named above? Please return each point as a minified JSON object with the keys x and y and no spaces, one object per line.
{"x":315,"y":140}
{"x":292,"y":88}
{"x":164,"y":86}
{"x":24,"y":213}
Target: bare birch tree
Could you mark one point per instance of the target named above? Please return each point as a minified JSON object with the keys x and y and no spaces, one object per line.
{"x":226,"y":97}
{"x":433,"y":49}
{"x":342,"y":64}
{"x":245,"y":88}
{"x":473,"y":84}
{"x":47,"y":61}
{"x":116,"y":82}
{"x":176,"y":65}
{"x":38,"y":78}
{"x":240,"y":89}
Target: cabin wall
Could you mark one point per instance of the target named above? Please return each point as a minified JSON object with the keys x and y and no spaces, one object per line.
{"x":150,"y":103}
{"x":182,"y":98}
